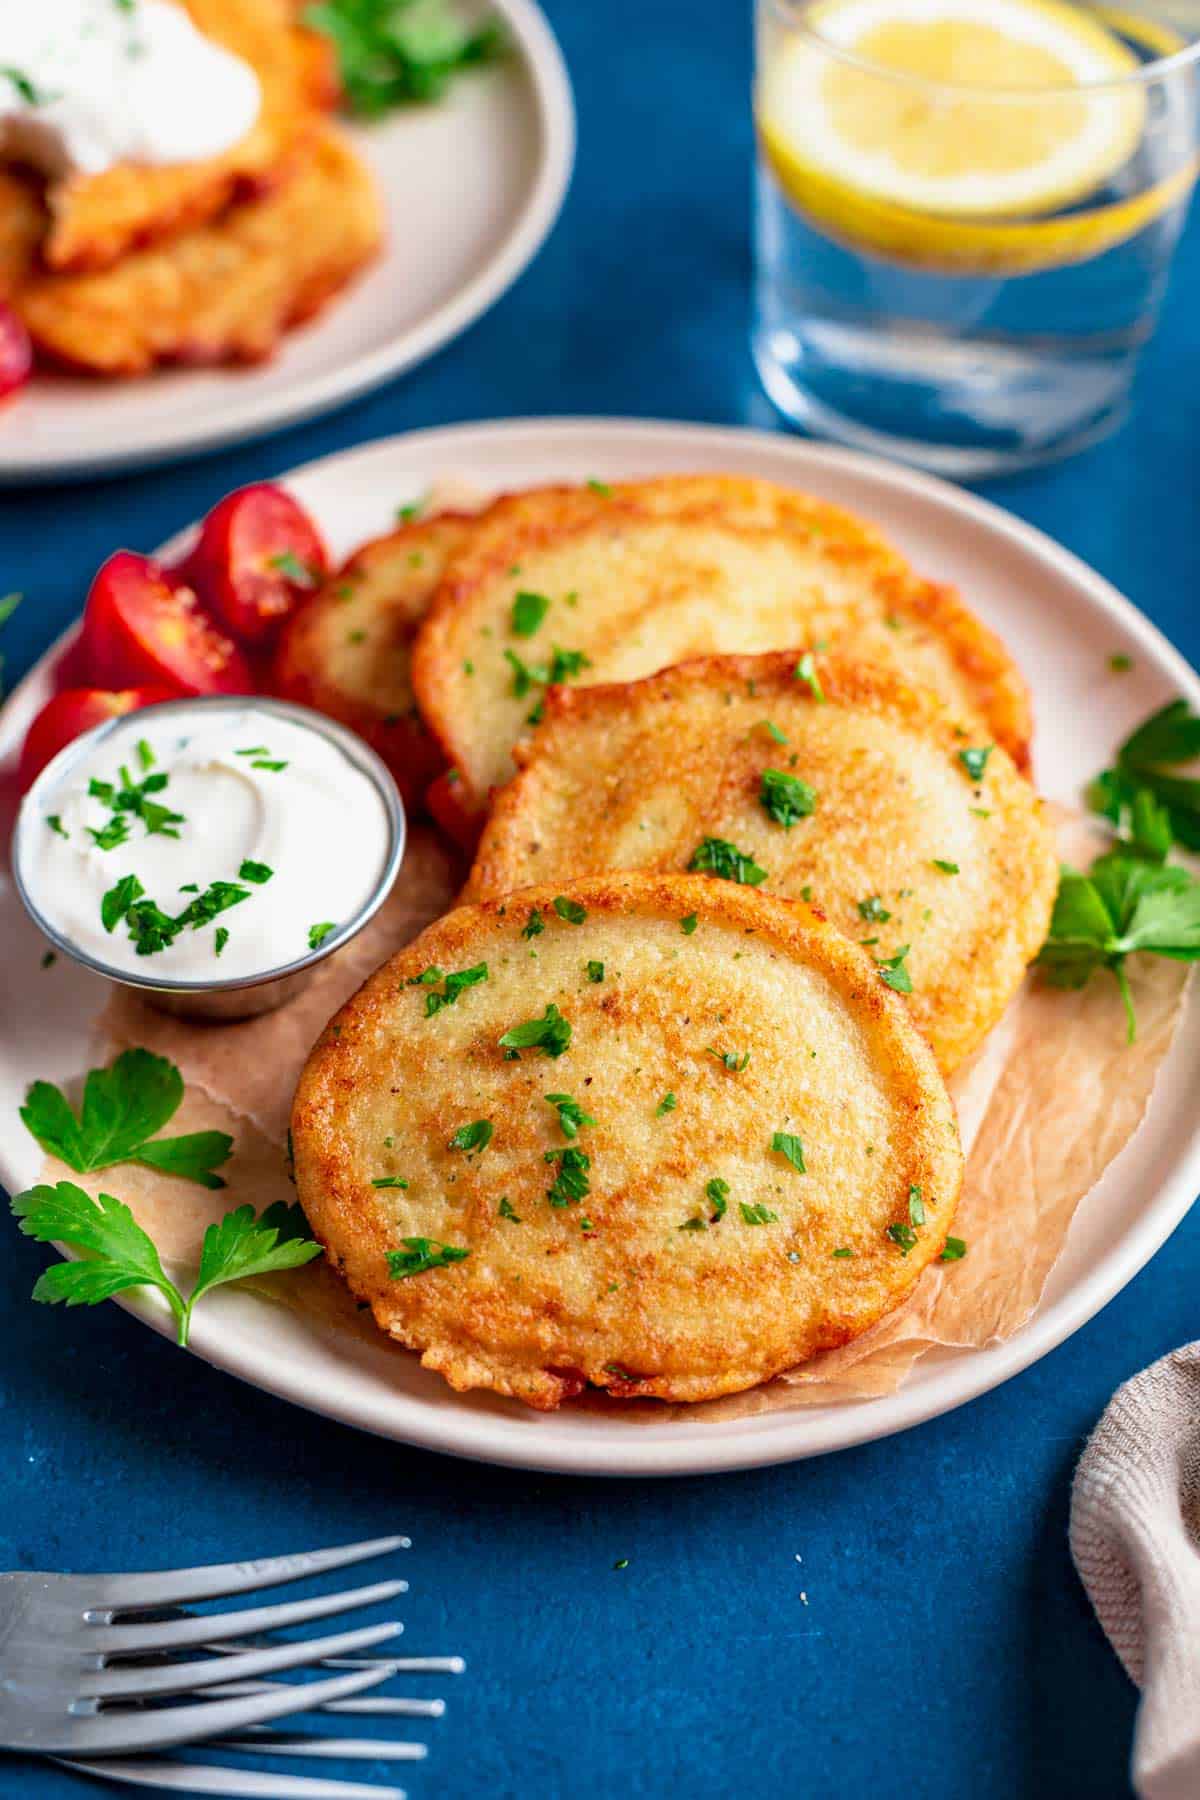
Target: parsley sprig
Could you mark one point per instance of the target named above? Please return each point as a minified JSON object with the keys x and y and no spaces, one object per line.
{"x":1141,"y":775}
{"x":395,"y":52}
{"x":124,"y":1107}
{"x":119,"y":1255}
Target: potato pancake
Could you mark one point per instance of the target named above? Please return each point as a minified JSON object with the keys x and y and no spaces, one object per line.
{"x":847,"y":788}
{"x":347,"y":650}
{"x":225,"y":292}
{"x":611,"y":583}
{"x":96,"y":219}
{"x":658,"y":1134}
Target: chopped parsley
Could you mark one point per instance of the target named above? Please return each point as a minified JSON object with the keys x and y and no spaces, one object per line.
{"x":295,"y":571}
{"x":947,"y":868}
{"x":717,"y":856}
{"x":688,"y":924}
{"x":1119,"y":663}
{"x":564,"y":665}
{"x":152,"y":929}
{"x":872,"y":908}
{"x":145,"y":754}
{"x":550,"y":1034}
{"x":595,"y":971}
{"x":475,"y":1136}
{"x":453,"y":985}
{"x":975,"y":761}
{"x":785,"y":798}
{"x":954,"y":1250}
{"x":916,"y":1205}
{"x":600,"y":487}
{"x":570,"y":1114}
{"x":54,"y":821}
{"x":806,"y":671}
{"x":667,"y":1104}
{"x":717,"y":1192}
{"x":893,"y":973}
{"x":789,"y":1146}
{"x":533,"y":925}
{"x":505,"y":1209}
{"x":528,"y":611}
{"x":256,"y":872}
{"x":570,"y":1180}
{"x":318,"y":933}
{"x":570,"y":910}
{"x":389,"y":1181}
{"x":420,"y":1254}
{"x":843,"y":1252}
{"x":757,"y":1214}
{"x":220,"y":938}
{"x":903,"y":1236}
{"x":49,"y":958}
{"x":729,"y":1059}
{"x":779,"y":736}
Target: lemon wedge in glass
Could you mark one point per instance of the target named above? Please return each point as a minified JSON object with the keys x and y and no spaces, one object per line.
{"x":945,"y":133}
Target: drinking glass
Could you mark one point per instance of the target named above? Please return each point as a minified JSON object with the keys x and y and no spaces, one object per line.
{"x":981,"y":329}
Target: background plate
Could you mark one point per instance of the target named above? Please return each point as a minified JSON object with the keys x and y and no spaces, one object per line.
{"x":471,"y":186}
{"x":1061,"y":620}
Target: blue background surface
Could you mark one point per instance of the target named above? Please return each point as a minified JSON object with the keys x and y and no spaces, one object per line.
{"x":898,"y":1619}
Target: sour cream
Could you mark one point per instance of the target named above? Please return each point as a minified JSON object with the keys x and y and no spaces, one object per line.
{"x":85,"y":84}
{"x":255,"y":839}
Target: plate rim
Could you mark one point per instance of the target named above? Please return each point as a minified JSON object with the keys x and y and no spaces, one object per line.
{"x":789,"y":1435}
{"x":246,"y":419}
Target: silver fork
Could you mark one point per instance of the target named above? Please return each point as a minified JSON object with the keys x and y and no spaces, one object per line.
{"x":67,"y":1691}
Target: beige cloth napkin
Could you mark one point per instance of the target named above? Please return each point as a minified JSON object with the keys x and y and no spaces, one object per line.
{"x":1135,"y":1537}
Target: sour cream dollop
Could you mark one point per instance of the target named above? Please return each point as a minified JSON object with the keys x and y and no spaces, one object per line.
{"x":86,"y":84}
{"x":203,"y":843}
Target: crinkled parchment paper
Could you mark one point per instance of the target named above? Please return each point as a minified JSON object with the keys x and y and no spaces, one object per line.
{"x":1051,"y":1099}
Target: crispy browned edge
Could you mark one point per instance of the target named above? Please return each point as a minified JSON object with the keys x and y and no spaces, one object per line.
{"x":796,"y":929}
{"x":497,"y":868}
{"x":517,"y":522}
{"x":297,"y":669}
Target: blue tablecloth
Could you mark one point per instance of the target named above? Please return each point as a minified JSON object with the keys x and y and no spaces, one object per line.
{"x":896,"y":1620}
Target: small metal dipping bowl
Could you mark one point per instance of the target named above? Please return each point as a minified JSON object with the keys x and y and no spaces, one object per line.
{"x":242,"y":996}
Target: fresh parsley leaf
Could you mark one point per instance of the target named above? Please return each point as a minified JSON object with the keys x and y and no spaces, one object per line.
{"x":947,"y":868}
{"x":54,"y":821}
{"x":779,"y":736}
{"x":845,"y":1251}
{"x":872,"y":908}
{"x":903,"y":1236}
{"x":550,"y":1034}
{"x":123,"y":1107}
{"x":893,"y":972}
{"x":916,"y":1205}
{"x":785,"y":798}
{"x":318,"y":933}
{"x":975,"y":761}
{"x":570,"y":1180}
{"x":953,"y":1251}
{"x":1166,"y":740}
{"x":1119,"y":663}
{"x":292,"y":569}
{"x":595,"y":971}
{"x":220,"y":939}
{"x":388,"y":1181}
{"x":394,"y":55}
{"x":600,"y":487}
{"x":122,"y":1256}
{"x":729,"y":1059}
{"x":421,"y":1254}
{"x":570,"y":910}
{"x":806,"y":671}
{"x":717,"y":1191}
{"x":667,"y":1104}
{"x":688,"y":924}
{"x":475,"y":1136}
{"x":453,"y":985}
{"x":117,"y":901}
{"x":528,"y":611}
{"x":758,"y":1214}
{"x":256,"y":872}
{"x":789,"y":1146}
{"x":570,"y":1114}
{"x":717,"y":856}
{"x":534,"y":925}
{"x":505,"y":1209}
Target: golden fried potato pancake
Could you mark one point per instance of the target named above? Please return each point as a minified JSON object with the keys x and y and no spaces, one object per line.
{"x":858,"y":801}
{"x":649,"y":573}
{"x":96,"y":219}
{"x":632,"y":1146}
{"x":225,"y":292}
{"x":346,"y":651}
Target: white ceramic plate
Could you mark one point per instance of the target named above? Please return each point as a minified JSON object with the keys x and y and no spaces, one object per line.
{"x":472,"y":185}
{"x":1061,"y":620}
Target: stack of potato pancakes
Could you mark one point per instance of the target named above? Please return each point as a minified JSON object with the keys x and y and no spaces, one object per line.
{"x":199,"y":262}
{"x":660,"y":1108}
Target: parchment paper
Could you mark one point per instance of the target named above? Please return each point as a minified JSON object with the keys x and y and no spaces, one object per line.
{"x":1053,"y":1097}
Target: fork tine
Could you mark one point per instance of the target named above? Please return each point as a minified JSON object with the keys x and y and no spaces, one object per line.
{"x":309,"y":1743}
{"x":405,"y":1665}
{"x":229,"y":1784}
{"x":165,"y":1587}
{"x":137,"y":1682}
{"x":127,"y":1733}
{"x":380,"y":1705}
{"x":114,"y":1640}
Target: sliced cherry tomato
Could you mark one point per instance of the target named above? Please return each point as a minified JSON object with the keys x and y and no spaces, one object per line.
{"x":73,"y":712}
{"x":258,"y":555}
{"x":16,"y":353}
{"x":139,"y":629}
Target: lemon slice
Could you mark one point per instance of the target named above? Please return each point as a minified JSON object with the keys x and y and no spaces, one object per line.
{"x":909,"y":137}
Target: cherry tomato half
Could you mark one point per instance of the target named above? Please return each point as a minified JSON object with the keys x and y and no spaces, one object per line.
{"x":258,"y":555}
{"x":139,"y":629}
{"x":16,"y":353}
{"x":71,"y":713}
